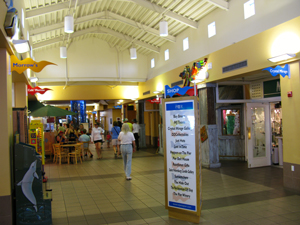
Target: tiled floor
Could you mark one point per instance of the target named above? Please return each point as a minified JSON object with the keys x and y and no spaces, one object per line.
{"x":96,"y":192}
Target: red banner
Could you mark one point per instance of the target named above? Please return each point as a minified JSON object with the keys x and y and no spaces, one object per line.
{"x":155,"y":100}
{"x":35,"y":90}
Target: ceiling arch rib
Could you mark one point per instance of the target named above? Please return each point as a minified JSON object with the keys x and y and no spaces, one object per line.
{"x":143,"y":3}
{"x":98,"y":30}
{"x":102,"y":16}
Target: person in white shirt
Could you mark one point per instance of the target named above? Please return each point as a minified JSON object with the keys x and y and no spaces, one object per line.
{"x":96,"y":136}
{"x":127,"y":141}
{"x":135,"y":131}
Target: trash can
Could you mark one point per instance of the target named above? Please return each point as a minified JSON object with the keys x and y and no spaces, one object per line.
{"x":275,"y":156}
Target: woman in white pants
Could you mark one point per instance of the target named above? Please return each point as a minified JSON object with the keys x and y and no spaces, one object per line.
{"x":96,"y":137}
{"x":127,"y":141}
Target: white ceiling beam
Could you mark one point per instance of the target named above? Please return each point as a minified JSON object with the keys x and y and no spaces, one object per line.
{"x":130,"y":39}
{"x":57,"y":7}
{"x":98,"y":30}
{"x":57,"y":26}
{"x":59,"y":39}
{"x":144,"y":3}
{"x":140,"y":26}
{"x":101,"y":16}
{"x":222,"y":4}
{"x":161,"y":10}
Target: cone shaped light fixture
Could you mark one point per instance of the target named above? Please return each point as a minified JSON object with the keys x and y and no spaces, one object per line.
{"x":63,"y":52}
{"x":69,"y":24}
{"x":133,"y":53}
{"x":163,"y":28}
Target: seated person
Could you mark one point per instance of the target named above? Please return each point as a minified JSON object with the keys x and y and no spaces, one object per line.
{"x":72,"y":134}
{"x":85,"y":138}
{"x":60,"y":138}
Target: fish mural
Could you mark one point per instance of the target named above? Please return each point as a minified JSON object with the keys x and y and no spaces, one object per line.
{"x":26,"y":184}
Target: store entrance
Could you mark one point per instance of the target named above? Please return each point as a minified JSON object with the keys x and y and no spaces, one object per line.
{"x":258,"y":134}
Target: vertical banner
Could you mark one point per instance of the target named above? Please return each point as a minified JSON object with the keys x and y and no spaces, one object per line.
{"x":182,"y":158}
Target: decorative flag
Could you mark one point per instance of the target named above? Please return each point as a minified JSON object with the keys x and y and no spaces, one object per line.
{"x":21,"y":65}
{"x":35,"y":90}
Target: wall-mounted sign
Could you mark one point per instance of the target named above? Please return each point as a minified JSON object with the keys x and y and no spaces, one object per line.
{"x":155,"y":100}
{"x":283,"y":71}
{"x":37,"y":90}
{"x":21,"y":65}
{"x":179,"y":91}
{"x":118,"y":106}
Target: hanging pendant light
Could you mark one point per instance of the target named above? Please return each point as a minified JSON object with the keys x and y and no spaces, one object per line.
{"x":163,"y":28}
{"x":69,"y":24}
{"x":133,"y":53}
{"x":63,"y":52}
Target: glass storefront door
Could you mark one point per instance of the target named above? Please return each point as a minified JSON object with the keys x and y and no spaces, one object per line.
{"x":259,"y":136}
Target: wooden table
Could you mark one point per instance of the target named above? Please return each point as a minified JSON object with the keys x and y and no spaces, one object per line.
{"x":74,"y":145}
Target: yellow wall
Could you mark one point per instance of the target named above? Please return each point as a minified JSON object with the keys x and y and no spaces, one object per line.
{"x":5,"y":123}
{"x":291,"y":115}
{"x":89,"y":92}
{"x":116,"y":113}
{"x":256,"y":49}
{"x":21,"y":98}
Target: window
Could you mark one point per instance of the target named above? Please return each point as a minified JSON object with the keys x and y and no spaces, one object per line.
{"x":152,"y":63}
{"x":185,"y":44}
{"x":249,"y":9}
{"x":23,"y":18}
{"x":211,"y":29}
{"x":231,"y":92}
{"x":231,"y":122}
{"x":167,"y":55}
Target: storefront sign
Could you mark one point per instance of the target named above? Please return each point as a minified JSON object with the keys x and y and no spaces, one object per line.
{"x":118,"y":106}
{"x":155,"y":100}
{"x":181,"y":155}
{"x":283,"y":71}
{"x":178,"y":90}
{"x":21,"y":65}
{"x":37,"y":90}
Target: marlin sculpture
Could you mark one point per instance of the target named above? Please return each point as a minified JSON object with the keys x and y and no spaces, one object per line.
{"x":26,"y":184}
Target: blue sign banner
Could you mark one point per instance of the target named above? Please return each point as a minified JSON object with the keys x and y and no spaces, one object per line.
{"x":283,"y":71}
{"x":176,"y":90}
{"x":118,"y":106}
{"x":182,"y":206}
{"x":180,"y":106}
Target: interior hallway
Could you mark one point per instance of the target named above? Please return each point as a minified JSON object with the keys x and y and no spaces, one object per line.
{"x":96,"y":192}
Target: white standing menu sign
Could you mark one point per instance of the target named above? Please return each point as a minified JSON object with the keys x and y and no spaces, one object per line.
{"x":180,"y":153}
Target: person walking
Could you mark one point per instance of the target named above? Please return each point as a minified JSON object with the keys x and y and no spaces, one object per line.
{"x":96,"y":137}
{"x":130,"y":124}
{"x":135,"y":131}
{"x":127,"y":141}
{"x":115,"y":131}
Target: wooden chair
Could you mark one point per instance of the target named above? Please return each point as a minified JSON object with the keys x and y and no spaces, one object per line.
{"x":58,"y":153}
{"x":86,"y":149}
{"x":49,"y":150}
{"x":76,"y":154}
